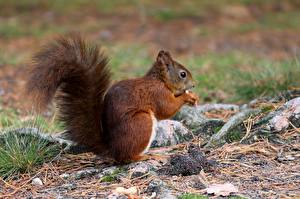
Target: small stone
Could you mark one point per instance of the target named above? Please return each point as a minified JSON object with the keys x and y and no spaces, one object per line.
{"x":190,"y":116}
{"x":193,"y":117}
{"x":285,"y":115}
{"x":267,"y":128}
{"x":37,"y":181}
{"x":170,"y":132}
{"x":65,"y":176}
{"x":166,"y":194}
{"x":140,"y":169}
{"x":109,"y":170}
{"x":254,"y":178}
{"x":155,"y":186}
{"x":116,"y":196}
{"x":280,"y":123}
{"x":129,"y":191}
{"x":153,"y":195}
{"x":244,"y":106}
{"x":285,"y":158}
{"x":69,"y":186}
{"x":158,"y":189}
{"x":195,"y":120}
{"x":86,"y":173}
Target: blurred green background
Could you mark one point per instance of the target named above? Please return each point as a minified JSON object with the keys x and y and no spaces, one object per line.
{"x":237,"y":50}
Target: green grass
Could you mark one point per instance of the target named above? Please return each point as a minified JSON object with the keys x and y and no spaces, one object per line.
{"x":168,"y":14}
{"x":10,"y":118}
{"x":20,"y":153}
{"x":161,"y":10}
{"x":17,"y":27}
{"x":234,"y":136}
{"x":50,"y":125}
{"x":280,"y":20}
{"x":241,"y":77}
{"x":192,"y":196}
{"x":268,"y":79}
{"x":269,"y":21}
{"x":11,"y":28}
{"x":22,"y":145}
{"x":12,"y":58}
{"x":129,"y":61}
{"x":236,"y":197}
{"x":22,"y":148}
{"x":111,"y":177}
{"x":64,"y":7}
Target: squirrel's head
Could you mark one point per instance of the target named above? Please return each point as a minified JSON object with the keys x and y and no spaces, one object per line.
{"x":176,"y":77}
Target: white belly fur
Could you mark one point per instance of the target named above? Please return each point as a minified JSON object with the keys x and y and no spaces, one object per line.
{"x":153,"y":132}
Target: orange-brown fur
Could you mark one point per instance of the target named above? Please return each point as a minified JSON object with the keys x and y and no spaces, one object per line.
{"x":115,"y":119}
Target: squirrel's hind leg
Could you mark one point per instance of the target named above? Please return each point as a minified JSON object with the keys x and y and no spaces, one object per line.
{"x":130,"y":138}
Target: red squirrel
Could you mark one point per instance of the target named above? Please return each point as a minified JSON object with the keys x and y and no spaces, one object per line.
{"x":119,"y":119}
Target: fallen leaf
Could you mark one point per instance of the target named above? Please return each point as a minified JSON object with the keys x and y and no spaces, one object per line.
{"x":129,"y":191}
{"x":221,"y":189}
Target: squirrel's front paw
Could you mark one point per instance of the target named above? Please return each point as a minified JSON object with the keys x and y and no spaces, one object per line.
{"x":191,"y":98}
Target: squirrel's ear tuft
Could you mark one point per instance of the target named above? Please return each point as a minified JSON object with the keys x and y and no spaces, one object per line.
{"x":164,"y":57}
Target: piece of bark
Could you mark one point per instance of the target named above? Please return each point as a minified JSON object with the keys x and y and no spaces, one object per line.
{"x":233,"y":122}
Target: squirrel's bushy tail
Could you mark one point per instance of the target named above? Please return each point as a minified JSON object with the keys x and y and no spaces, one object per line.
{"x":80,"y":74}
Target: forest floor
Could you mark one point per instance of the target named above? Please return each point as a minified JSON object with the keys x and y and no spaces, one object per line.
{"x":259,"y":170}
{"x":226,"y":46}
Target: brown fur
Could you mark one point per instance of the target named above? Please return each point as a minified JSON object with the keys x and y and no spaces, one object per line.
{"x":120,"y":120}
{"x":82,"y":77}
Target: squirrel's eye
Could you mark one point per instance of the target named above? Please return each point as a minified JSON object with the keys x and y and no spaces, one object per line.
{"x":183,"y":74}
